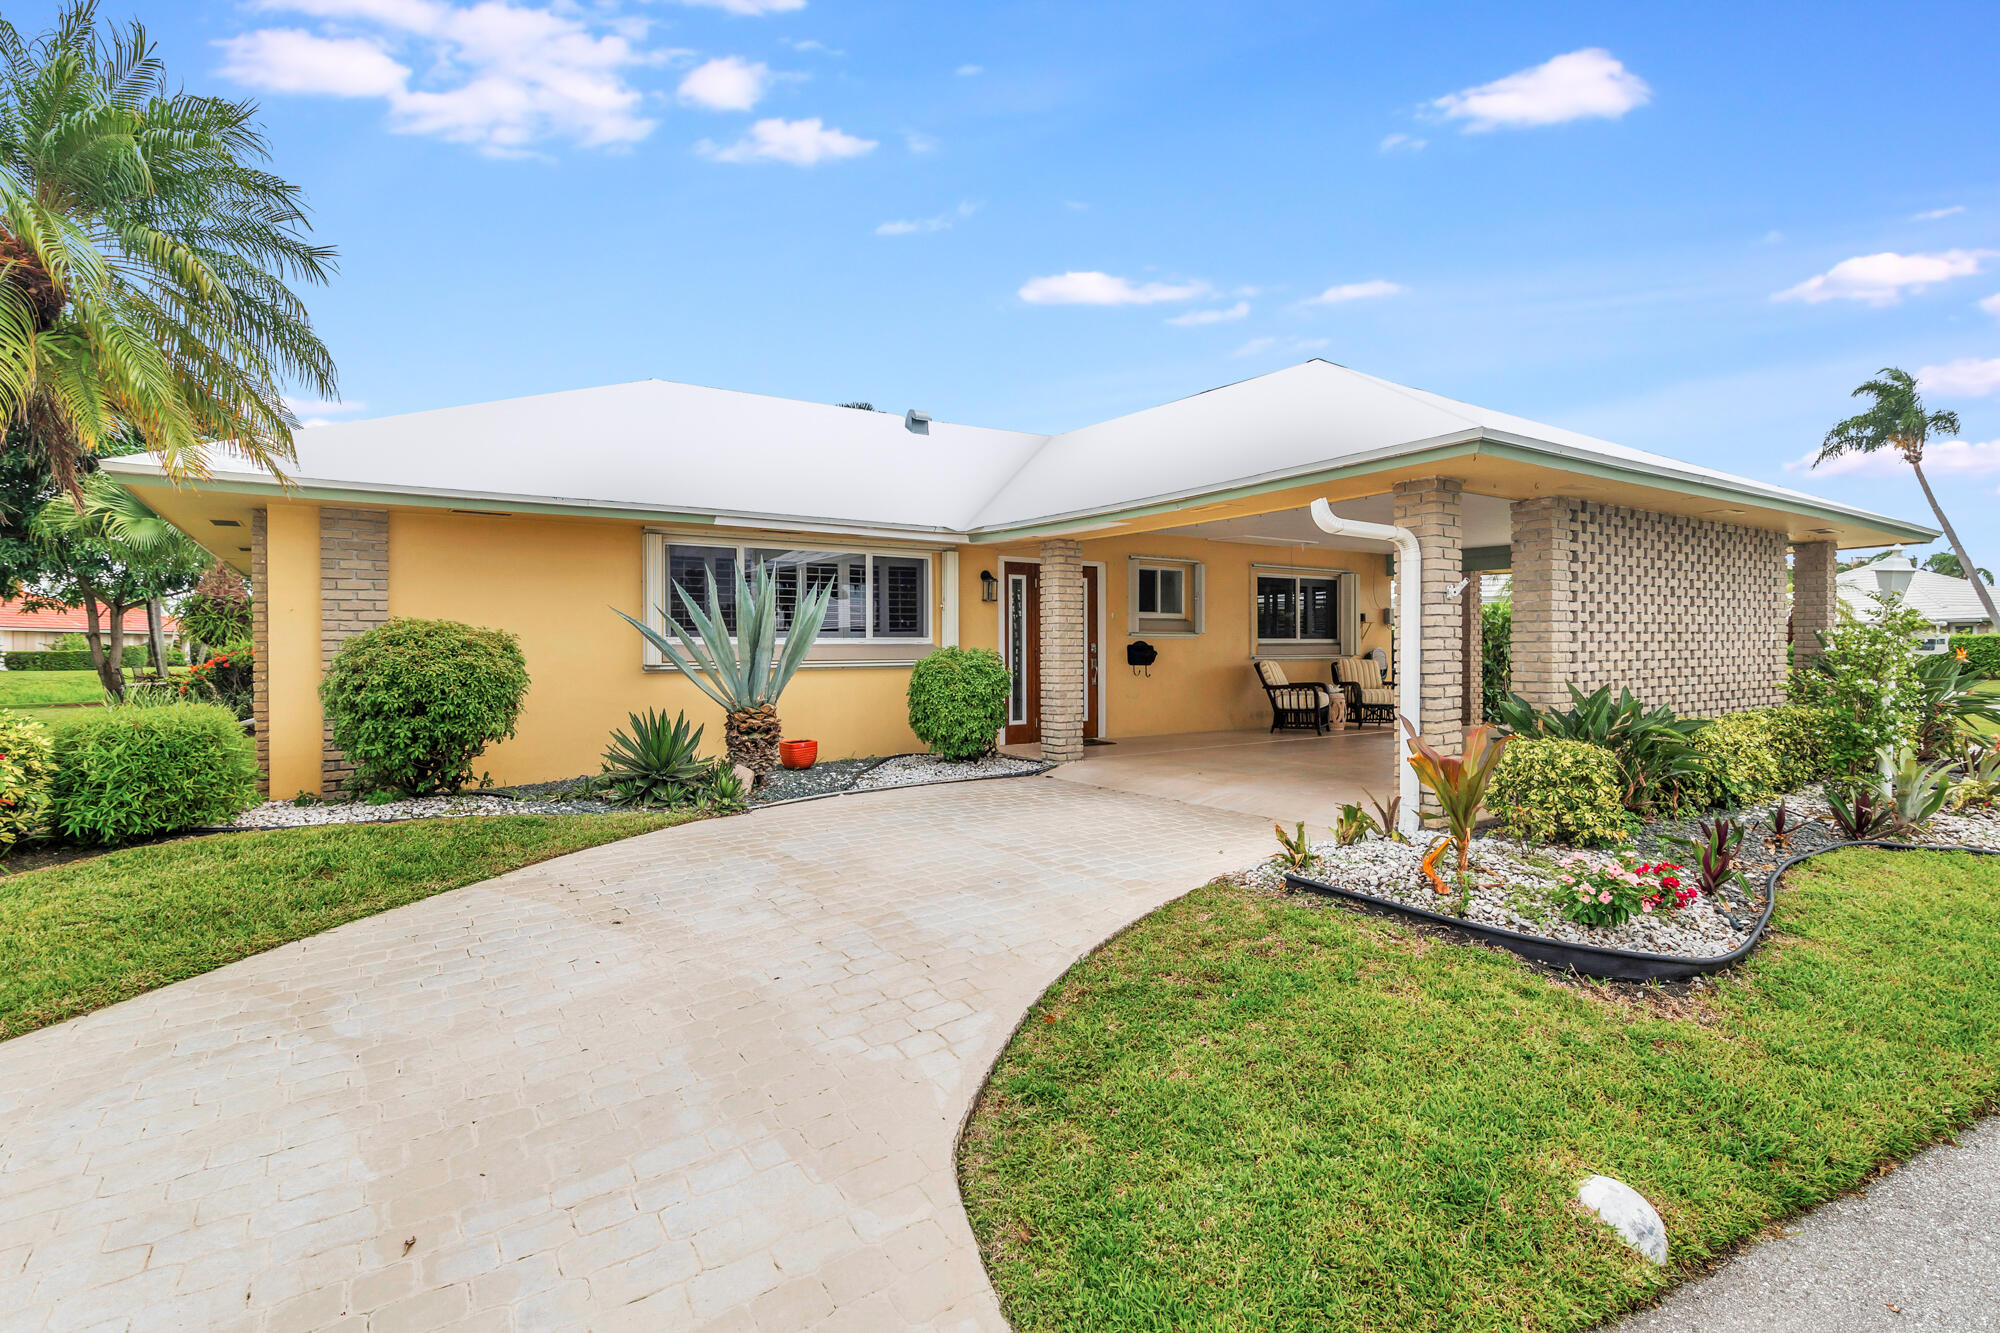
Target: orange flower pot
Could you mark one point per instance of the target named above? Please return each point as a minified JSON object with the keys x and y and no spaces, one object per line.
{"x":798,"y":754}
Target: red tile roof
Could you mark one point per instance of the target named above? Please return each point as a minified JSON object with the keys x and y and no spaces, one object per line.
{"x":70,"y":620}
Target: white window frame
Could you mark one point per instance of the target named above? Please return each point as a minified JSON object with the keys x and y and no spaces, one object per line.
{"x":1347,"y":626}
{"x":1194,"y":597}
{"x":655,"y":581}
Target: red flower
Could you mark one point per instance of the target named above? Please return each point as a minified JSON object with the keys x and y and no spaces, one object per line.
{"x":1669,"y":882}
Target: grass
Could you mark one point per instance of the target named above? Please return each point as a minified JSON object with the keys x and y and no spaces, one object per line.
{"x":1987,"y":687}
{"x":53,"y":718}
{"x":77,"y":937}
{"x":25,"y":689}
{"x":1251,"y":1112}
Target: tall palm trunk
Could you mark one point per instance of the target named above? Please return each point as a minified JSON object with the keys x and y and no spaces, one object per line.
{"x":1958,"y":548}
{"x":156,"y":634}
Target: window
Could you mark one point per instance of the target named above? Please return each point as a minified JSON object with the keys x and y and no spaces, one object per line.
{"x":875,"y":597}
{"x":1165,"y":597}
{"x":1298,"y":609}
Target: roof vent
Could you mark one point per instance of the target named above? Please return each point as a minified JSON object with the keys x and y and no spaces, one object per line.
{"x":917,"y":422}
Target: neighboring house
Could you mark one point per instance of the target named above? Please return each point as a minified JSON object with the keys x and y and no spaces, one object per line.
{"x":1951,"y":605}
{"x":25,"y":630}
{"x":1185,"y":525}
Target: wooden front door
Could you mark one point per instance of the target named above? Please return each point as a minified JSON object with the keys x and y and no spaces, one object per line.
{"x":1021,"y":645}
{"x":1093,"y":669}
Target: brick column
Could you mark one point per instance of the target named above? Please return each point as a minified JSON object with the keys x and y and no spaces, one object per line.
{"x":1429,"y":507}
{"x":260,"y":643}
{"x":1472,"y":708}
{"x":1815,"y":599}
{"x":353,"y":597}
{"x":1544,"y":660}
{"x":1063,"y":700}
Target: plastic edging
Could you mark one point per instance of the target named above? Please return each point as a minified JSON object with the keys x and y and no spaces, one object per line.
{"x":1593,"y":960}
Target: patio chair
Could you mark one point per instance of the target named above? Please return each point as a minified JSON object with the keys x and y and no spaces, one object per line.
{"x":1369,"y":697}
{"x":1310,"y":704}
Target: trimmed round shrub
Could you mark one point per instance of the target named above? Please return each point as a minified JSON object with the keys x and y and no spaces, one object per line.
{"x":958,"y":701}
{"x":1799,"y":744}
{"x":1558,"y":791}
{"x":132,"y":772}
{"x":412,"y":703}
{"x":27,"y":764}
{"x":1744,"y":768}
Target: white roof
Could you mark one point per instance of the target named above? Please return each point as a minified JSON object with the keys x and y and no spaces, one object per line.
{"x":1939,"y":598}
{"x":656,"y":446}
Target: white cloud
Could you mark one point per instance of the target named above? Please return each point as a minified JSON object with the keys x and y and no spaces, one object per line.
{"x":1991,"y":305}
{"x":1258,"y":346}
{"x":726,"y":83}
{"x":1932,"y":215}
{"x":918,"y":142}
{"x":920,"y":226}
{"x":968,"y":71}
{"x":811,"y":44}
{"x":1356,"y":291}
{"x":1093,"y":288}
{"x":1400,"y":142}
{"x":1880,"y":280}
{"x":502,"y":77}
{"x":751,"y":8}
{"x":321,"y":411}
{"x":1967,"y":377}
{"x":1580,"y":85}
{"x":1194,"y":318}
{"x":1960,"y":458}
{"x":802,"y":143}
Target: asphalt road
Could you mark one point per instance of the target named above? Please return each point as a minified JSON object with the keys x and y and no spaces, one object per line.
{"x":1920,"y":1249}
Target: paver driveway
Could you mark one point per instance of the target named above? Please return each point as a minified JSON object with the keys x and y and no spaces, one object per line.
{"x":707,"y":1077}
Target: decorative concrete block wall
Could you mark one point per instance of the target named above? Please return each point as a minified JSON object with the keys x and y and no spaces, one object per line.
{"x":1431,"y":508}
{"x":260,"y":643}
{"x":1815,"y":599}
{"x":1685,"y":612}
{"x":353,"y":597}
{"x":1063,"y":681}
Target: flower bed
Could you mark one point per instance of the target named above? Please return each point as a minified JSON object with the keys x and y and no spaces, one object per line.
{"x":1630,"y":913}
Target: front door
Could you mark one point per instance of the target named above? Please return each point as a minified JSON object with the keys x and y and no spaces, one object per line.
{"x":1021,"y":585}
{"x":1021,"y":582}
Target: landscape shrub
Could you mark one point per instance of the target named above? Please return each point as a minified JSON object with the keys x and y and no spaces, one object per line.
{"x":1496,"y":655}
{"x":125,"y":773}
{"x":1866,"y":680}
{"x":412,"y":703}
{"x":217,"y":612}
{"x":226,"y":678}
{"x":958,"y":701}
{"x":1799,"y":743}
{"x":1742,"y":768}
{"x":1559,"y":791}
{"x":134,"y":658}
{"x":1982,"y":653}
{"x":27,"y":763}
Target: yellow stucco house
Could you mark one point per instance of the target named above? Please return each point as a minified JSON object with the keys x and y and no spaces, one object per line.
{"x":1187,"y":526}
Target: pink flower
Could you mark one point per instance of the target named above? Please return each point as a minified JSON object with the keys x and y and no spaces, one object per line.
{"x":1605,"y":896}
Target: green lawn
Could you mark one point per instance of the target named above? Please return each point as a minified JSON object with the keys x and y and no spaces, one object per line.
{"x":77,"y":937}
{"x":52,"y":717}
{"x":25,"y":689}
{"x":1250,"y":1112}
{"x":1987,"y":687}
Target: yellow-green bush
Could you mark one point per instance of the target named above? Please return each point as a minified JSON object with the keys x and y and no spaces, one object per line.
{"x":1743,"y":763}
{"x":27,"y":762}
{"x":1568,"y":792}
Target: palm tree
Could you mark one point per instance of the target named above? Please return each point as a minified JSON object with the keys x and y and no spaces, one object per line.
{"x":741,"y":665}
{"x":145,"y":257}
{"x":1945,"y":563}
{"x":1898,"y":420}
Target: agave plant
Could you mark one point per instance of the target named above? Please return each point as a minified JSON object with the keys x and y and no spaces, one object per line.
{"x":1458,"y":783}
{"x":744,"y":673}
{"x":1913,"y":791}
{"x":657,"y":763}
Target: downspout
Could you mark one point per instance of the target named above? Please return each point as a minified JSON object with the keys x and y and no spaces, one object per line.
{"x":1410,"y":638}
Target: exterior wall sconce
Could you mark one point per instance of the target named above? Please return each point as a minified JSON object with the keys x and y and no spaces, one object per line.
{"x":989,"y":587}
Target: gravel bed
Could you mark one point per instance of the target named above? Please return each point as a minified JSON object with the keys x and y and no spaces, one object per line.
{"x":917,"y":770}
{"x":822,"y":779}
{"x":1515,"y":890}
{"x":283,"y":814}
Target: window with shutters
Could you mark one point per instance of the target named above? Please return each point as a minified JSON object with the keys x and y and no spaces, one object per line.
{"x":875,"y":597}
{"x":1298,"y":609}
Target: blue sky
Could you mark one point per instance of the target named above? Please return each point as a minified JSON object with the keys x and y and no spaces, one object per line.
{"x":1687,"y":228}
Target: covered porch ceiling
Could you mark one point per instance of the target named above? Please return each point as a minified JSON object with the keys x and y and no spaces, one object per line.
{"x":1486,"y":527}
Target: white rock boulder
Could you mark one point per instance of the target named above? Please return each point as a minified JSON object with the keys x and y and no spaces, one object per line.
{"x":1637,"y":1222}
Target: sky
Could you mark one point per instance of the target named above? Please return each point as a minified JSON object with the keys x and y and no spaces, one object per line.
{"x":1689,"y":228}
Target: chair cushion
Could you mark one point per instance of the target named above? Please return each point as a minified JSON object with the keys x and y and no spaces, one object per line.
{"x":1343,"y":669}
{"x":1367,"y":673}
{"x":1271,"y":673}
{"x":1378,"y":696}
{"x":1298,"y":696}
